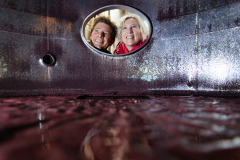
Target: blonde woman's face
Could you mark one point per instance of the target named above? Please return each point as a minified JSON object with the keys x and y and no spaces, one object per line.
{"x":131,"y":33}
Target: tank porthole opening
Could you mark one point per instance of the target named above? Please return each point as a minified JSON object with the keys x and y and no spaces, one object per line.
{"x":115,"y":13}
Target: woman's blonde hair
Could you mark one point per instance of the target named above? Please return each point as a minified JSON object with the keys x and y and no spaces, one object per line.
{"x":142,"y":25}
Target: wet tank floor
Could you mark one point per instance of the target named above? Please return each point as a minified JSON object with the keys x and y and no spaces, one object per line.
{"x":159,"y":128}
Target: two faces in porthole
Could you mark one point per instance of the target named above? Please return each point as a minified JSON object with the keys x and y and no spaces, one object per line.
{"x":131,"y":32}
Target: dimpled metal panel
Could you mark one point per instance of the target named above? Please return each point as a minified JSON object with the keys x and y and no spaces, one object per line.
{"x":160,"y":128}
{"x":194,"y":48}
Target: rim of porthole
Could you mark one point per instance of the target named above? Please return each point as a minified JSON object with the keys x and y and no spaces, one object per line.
{"x":110,"y":7}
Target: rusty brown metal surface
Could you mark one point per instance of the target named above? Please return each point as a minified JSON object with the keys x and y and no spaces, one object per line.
{"x":160,"y":128}
{"x":194,"y":48}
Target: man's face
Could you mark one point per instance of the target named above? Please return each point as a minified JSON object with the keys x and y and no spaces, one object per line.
{"x":101,"y":36}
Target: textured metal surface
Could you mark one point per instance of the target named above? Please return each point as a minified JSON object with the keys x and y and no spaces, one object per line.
{"x":194,"y":47}
{"x":163,"y":128}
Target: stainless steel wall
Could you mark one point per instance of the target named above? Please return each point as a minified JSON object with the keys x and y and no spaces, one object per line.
{"x":194,"y":49}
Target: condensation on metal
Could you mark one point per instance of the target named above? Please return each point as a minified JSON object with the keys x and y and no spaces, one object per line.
{"x":168,"y":62}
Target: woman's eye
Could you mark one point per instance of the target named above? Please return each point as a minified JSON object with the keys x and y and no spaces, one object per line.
{"x":106,"y":33}
{"x":134,"y":26}
{"x":124,"y":27}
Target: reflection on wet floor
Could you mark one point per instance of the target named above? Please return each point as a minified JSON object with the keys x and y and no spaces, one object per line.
{"x":161,"y":128}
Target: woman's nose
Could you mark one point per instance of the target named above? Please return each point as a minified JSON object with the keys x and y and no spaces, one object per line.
{"x":129,"y":30}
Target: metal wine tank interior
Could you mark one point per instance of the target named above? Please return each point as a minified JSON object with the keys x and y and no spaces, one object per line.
{"x":175,"y":98}
{"x":193,"y":49}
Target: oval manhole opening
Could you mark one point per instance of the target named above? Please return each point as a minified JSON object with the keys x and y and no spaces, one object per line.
{"x":115,"y":13}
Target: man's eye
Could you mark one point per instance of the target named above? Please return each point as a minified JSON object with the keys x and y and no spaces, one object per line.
{"x":106,"y":33}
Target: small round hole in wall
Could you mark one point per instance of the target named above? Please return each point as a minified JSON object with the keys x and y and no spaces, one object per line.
{"x":49,"y":59}
{"x":115,"y":13}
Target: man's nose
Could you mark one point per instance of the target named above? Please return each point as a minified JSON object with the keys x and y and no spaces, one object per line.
{"x":101,"y":34}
